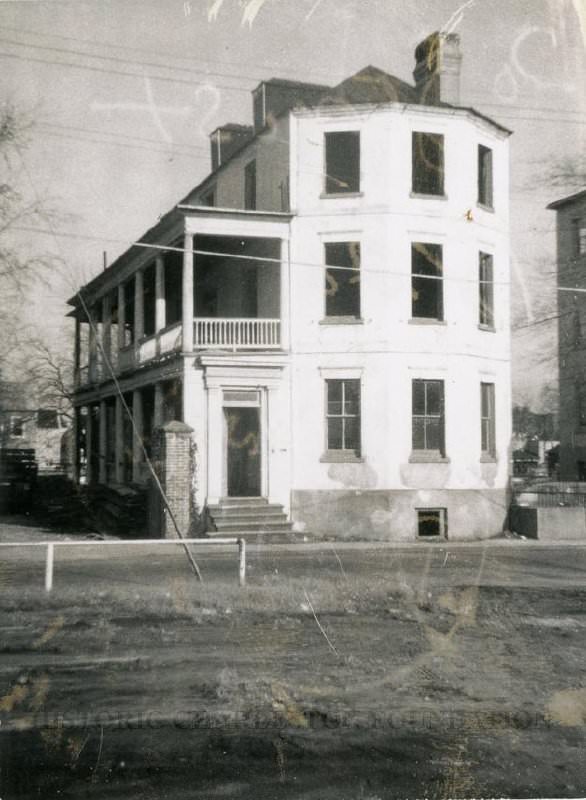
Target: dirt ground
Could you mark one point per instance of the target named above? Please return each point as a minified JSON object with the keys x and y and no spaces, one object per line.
{"x":350,"y":673}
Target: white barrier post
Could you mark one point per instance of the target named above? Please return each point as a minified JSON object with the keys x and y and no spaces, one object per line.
{"x":241,"y":562}
{"x":49,"y":567}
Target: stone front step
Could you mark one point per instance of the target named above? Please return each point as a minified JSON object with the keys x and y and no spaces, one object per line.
{"x":253,"y":518}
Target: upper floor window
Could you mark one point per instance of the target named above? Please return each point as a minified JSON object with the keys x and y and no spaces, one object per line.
{"x":343,"y":415}
{"x":428,"y":416}
{"x":342,"y":159}
{"x":427,"y":163}
{"x":173,"y":285}
{"x":250,"y":186}
{"x":485,"y":193}
{"x":487,"y":420}
{"x":342,"y":287}
{"x":47,"y":418}
{"x":580,"y":236}
{"x":427,"y":301}
{"x":209,"y":198}
{"x":485,"y":290}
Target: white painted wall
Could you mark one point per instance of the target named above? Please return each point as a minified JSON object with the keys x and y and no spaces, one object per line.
{"x":388,"y":349}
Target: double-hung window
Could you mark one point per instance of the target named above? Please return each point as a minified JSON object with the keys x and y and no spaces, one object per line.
{"x":342,"y":287}
{"x":427,"y":301}
{"x":343,"y":416}
{"x":485,"y":290}
{"x":428,"y":425}
{"x":342,"y":162}
{"x":427,"y":151}
{"x":487,"y":420}
{"x":485,"y":181}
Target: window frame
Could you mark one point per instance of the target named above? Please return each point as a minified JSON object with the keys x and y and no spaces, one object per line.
{"x":13,"y":421}
{"x":443,"y":523}
{"x":250,"y":186}
{"x":355,"y":187}
{"x":329,"y":268}
{"x":485,"y":177}
{"x":579,"y":229}
{"x":486,"y":321}
{"x":436,"y":280}
{"x":342,"y":453}
{"x":429,"y":453}
{"x":488,"y":421}
{"x":422,"y":184}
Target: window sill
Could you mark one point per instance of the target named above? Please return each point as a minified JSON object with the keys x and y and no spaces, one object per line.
{"x":338,"y":195}
{"x":487,"y":458}
{"x":426,"y":321}
{"x":341,"y":321}
{"x":341,"y":457}
{"x":488,"y":209}
{"x":488,"y":328}
{"x":428,"y":457}
{"x":424,"y":196}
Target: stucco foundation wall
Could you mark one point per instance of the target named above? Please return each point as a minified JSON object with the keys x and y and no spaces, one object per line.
{"x":391,"y":515}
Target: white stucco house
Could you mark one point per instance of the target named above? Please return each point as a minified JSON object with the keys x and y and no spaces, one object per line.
{"x":328,"y":310}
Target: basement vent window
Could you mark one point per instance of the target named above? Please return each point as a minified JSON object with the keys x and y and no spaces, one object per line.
{"x":432,"y":523}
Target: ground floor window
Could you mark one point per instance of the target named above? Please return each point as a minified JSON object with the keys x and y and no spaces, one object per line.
{"x":428,"y":416}
{"x":343,"y":416}
{"x":432,"y":523}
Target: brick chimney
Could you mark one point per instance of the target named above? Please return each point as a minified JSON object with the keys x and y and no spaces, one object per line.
{"x":226,"y":140}
{"x":437,"y":69}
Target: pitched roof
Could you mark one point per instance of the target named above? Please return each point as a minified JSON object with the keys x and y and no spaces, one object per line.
{"x":370,"y":85}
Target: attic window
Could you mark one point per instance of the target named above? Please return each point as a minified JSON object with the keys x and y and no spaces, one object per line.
{"x":428,"y":163}
{"x":342,"y":162}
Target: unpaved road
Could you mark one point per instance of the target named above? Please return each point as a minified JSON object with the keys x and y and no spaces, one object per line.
{"x":442,"y":671}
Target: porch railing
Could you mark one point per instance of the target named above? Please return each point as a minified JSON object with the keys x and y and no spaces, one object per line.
{"x":237,"y":334}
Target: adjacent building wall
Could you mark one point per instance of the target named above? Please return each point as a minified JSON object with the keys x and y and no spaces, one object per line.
{"x":572,"y":340}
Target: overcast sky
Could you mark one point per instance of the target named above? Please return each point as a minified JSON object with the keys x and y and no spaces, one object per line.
{"x":125,"y":92}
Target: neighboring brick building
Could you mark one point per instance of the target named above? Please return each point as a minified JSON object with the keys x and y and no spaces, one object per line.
{"x":571,"y":272}
{"x":328,"y":310}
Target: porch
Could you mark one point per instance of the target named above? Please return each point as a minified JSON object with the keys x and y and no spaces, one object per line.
{"x":221,"y":288}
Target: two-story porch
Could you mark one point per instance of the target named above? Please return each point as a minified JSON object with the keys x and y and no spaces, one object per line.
{"x":147,"y":328}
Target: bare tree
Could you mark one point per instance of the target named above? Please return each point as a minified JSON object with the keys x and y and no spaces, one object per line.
{"x":20,"y":270}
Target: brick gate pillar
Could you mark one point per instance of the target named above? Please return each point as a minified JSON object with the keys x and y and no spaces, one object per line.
{"x":174,"y":462}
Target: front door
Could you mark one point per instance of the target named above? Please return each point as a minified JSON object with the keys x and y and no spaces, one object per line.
{"x":243,"y":451}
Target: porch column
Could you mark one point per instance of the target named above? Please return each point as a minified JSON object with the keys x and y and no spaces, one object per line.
{"x":138,"y":305}
{"x":158,"y":410}
{"x":93,"y":348}
{"x":121,"y":316}
{"x":188,"y":268}
{"x":285,"y":285}
{"x":137,"y":452}
{"x":102,"y":477}
{"x":107,"y":334}
{"x":77,"y":352}
{"x":216,"y":440}
{"x":160,"y":302}
{"x":75,"y":426}
{"x":89,"y":425}
{"x":119,"y":441}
